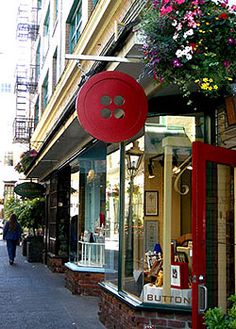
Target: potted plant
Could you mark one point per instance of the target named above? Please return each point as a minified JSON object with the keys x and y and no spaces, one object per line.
{"x":26,"y":159}
{"x":216,"y":319}
{"x":191,"y":44}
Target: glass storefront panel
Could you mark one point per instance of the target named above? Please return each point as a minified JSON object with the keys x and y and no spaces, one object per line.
{"x":132,"y":276}
{"x":112,"y":217}
{"x":74,"y":212}
{"x":87,"y":211}
{"x":167,"y":205}
{"x":156,"y":260}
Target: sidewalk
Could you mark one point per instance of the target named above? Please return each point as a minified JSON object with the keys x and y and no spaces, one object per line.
{"x":32,"y":297}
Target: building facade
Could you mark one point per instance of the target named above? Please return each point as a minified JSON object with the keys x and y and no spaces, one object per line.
{"x":151,"y":236}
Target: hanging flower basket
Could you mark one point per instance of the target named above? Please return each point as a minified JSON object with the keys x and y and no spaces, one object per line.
{"x":191,"y":43}
{"x":26,"y":159}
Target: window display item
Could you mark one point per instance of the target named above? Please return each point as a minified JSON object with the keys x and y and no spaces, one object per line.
{"x":179,"y":275}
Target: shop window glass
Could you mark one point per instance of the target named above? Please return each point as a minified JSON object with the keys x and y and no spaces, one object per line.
{"x":157,"y":231}
{"x":112,"y":217}
{"x":132,"y":280}
{"x":74,"y":212}
{"x":87,"y":208}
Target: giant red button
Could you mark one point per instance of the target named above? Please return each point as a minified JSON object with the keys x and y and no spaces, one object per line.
{"x":112,"y":106}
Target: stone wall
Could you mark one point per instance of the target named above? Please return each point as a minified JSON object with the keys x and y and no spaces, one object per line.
{"x":116,"y":314}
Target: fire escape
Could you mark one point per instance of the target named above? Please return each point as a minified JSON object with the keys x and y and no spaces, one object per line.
{"x":26,"y":74}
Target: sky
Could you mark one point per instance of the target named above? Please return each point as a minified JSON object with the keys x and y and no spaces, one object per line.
{"x":8,"y":11}
{"x":8,"y":55}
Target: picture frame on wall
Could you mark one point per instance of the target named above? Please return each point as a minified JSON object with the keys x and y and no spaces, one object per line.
{"x":151,"y":203}
{"x":151,"y":234}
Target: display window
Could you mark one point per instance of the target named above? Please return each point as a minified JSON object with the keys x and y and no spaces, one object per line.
{"x":155,"y":239}
{"x":87,"y":207}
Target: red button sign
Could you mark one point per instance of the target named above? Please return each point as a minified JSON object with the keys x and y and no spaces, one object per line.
{"x":112,"y":106}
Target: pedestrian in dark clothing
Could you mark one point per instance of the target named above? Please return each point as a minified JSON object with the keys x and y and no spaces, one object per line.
{"x":12,"y":234}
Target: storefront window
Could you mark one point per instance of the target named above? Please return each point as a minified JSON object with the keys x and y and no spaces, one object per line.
{"x":167,"y":211}
{"x":87,"y":211}
{"x":132,"y":279}
{"x":157,"y":231}
{"x":112,"y":217}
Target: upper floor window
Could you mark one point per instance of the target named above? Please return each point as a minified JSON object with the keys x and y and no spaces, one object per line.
{"x":46,"y":26}
{"x":38,"y":61}
{"x":75,"y":22}
{"x":36,"y":112}
{"x":56,"y":11}
{"x":5,"y":88}
{"x":39,"y":4}
{"x":94,"y":2}
{"x":45,"y":91}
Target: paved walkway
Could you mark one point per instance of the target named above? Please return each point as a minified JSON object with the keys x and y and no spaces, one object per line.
{"x":32,"y":297}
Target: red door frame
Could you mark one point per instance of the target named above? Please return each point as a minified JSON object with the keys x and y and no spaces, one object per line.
{"x":201,"y":153}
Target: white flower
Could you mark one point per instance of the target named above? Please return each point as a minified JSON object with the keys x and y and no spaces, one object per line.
{"x":179,"y":53}
{"x":187,"y":50}
{"x":179,"y":27}
{"x":175,"y":36}
{"x":187,"y":33}
{"x":174,"y":23}
{"x":189,"y":56}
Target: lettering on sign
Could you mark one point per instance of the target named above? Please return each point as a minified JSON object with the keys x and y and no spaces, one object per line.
{"x":168,"y":299}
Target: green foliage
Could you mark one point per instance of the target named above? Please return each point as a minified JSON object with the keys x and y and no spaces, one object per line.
{"x":216,"y":319}
{"x":191,"y":43}
{"x":30,"y":212}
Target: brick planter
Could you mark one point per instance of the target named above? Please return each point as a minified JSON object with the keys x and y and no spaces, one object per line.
{"x":83,"y":281}
{"x":56,"y":263}
{"x":116,"y":314}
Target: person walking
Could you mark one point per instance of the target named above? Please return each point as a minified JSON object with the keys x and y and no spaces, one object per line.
{"x":12,"y":234}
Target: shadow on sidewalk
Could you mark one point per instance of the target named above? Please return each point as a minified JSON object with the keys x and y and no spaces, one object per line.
{"x":32,"y":297}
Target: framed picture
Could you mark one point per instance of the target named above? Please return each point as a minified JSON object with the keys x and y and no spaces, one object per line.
{"x":151,"y":234}
{"x":151,"y":203}
{"x":179,"y":275}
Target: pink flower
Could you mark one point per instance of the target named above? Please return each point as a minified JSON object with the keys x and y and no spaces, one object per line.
{"x":233,"y":8}
{"x":176,"y":63}
{"x":179,"y":2}
{"x":226,"y":63}
{"x":166,"y":10}
{"x":164,"y":2}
